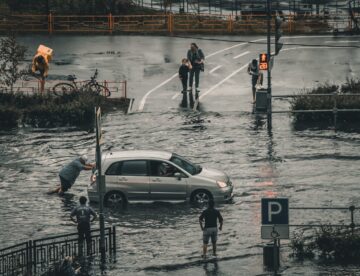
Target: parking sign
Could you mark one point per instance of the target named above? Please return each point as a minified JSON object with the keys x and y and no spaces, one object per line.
{"x":274,"y":211}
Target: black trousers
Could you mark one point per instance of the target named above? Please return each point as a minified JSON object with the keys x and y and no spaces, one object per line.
{"x":84,"y":234}
{"x":184,"y":81}
{"x":195,"y":71}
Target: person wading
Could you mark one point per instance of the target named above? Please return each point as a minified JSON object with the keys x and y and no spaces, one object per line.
{"x":256,"y":76}
{"x":84,"y":216}
{"x":211,"y":216}
{"x":183,"y":76}
{"x":196,"y":57}
{"x":70,"y":173}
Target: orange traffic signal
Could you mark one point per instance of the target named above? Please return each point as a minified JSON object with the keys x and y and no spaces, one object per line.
{"x":263,"y":61}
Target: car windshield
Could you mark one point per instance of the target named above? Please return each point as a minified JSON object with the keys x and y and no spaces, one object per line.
{"x":185,"y":164}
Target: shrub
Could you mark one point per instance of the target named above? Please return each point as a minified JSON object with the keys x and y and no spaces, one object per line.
{"x":9,"y":116}
{"x":47,"y":110}
{"x":304,"y":102}
{"x":335,"y":244}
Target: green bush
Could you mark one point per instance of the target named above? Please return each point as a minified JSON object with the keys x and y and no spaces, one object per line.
{"x":339,"y":245}
{"x":76,"y":109}
{"x":9,"y":116}
{"x":303,"y":101}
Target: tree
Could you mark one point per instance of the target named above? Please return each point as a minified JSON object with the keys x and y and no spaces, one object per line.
{"x":12,"y":54}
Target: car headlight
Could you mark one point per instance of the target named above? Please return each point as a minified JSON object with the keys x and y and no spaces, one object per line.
{"x":221,"y":184}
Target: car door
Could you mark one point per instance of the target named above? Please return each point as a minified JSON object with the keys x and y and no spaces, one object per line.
{"x":130,"y":177}
{"x":163,"y":183}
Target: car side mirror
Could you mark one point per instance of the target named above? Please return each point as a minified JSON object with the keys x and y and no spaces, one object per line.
{"x":178,"y":175}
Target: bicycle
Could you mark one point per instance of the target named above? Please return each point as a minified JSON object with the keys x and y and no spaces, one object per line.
{"x":92,"y":86}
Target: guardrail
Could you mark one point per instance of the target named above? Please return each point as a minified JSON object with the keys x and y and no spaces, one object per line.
{"x":335,"y":110}
{"x":351,"y":223}
{"x":118,"y":89}
{"x":169,"y":23}
{"x":29,"y":258}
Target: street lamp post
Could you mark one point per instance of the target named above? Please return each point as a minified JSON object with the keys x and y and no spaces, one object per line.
{"x":269,"y":121}
{"x":100,"y":183}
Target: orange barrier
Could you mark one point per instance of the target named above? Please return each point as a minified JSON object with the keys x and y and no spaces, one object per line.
{"x":169,"y":23}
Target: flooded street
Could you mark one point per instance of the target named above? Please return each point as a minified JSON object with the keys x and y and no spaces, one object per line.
{"x":312,"y":167}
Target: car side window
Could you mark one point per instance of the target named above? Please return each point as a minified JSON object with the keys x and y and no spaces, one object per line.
{"x":162,"y":169}
{"x":114,"y":169}
{"x":134,"y":168}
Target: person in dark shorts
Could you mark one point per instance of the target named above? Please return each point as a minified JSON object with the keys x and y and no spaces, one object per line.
{"x":70,"y":172}
{"x":211,"y":216}
{"x":84,"y":216}
{"x":256,"y":76}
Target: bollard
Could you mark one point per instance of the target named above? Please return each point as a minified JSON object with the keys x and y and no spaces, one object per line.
{"x":271,"y":261}
{"x":261,"y":100}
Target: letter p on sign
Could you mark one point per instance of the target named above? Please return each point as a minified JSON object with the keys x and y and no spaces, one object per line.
{"x":274,"y":211}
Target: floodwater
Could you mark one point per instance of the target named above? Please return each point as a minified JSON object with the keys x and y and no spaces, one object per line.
{"x":312,"y":167}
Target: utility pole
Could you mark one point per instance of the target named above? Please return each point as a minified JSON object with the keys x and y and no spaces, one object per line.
{"x":269,"y":121}
{"x":100,"y":183}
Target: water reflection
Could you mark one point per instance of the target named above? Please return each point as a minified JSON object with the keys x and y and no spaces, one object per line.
{"x":211,"y":268}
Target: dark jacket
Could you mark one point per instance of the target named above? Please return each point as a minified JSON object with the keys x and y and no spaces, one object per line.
{"x":195,"y":56}
{"x":183,"y":71}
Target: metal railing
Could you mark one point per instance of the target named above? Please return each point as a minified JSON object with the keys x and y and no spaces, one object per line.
{"x":38,"y":255}
{"x":169,"y":23}
{"x":334,"y":110}
{"x":118,"y":89}
{"x":350,"y":225}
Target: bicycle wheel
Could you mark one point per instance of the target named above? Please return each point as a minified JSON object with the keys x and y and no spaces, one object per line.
{"x":98,"y":89}
{"x":63,"y":88}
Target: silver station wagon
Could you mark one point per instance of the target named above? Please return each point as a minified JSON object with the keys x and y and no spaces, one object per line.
{"x":158,"y":176}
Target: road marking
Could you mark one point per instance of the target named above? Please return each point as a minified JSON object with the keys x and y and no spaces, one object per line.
{"x":144,"y":98}
{"x":224,"y":80}
{"x":312,"y":47}
{"x":243,"y":54}
{"x":342,"y":41}
{"x":214,"y":69}
{"x":175,"y":96}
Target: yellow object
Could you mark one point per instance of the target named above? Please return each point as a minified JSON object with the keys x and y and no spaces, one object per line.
{"x":46,"y":52}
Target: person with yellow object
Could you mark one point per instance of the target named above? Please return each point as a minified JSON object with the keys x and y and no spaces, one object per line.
{"x":40,"y":63}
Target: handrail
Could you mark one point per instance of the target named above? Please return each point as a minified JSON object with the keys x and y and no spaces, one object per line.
{"x":109,"y":23}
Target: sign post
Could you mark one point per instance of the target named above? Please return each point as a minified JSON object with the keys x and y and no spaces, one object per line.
{"x":275,"y":224}
{"x":100,"y":181}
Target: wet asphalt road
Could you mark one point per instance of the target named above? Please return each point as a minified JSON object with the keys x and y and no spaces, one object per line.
{"x":311,"y":167}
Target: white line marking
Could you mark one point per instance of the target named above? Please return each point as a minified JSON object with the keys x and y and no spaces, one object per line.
{"x":143,"y":100}
{"x":214,"y":69}
{"x":175,"y":96}
{"x":224,"y":80}
{"x":342,"y":41}
{"x":228,"y":48}
{"x":243,"y":54}
{"x":312,"y":47}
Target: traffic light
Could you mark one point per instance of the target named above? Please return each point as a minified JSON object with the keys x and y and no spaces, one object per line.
{"x":278,"y":34}
{"x":263,"y":61}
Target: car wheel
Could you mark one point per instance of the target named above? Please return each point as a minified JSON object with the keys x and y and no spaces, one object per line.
{"x":201,"y":197}
{"x":115,"y":200}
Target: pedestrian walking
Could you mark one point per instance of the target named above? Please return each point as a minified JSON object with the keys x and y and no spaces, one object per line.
{"x":210,"y":230}
{"x":84,"y":216}
{"x":196,"y":56}
{"x":70,"y":173}
{"x":183,"y":76}
{"x":256,"y":76}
